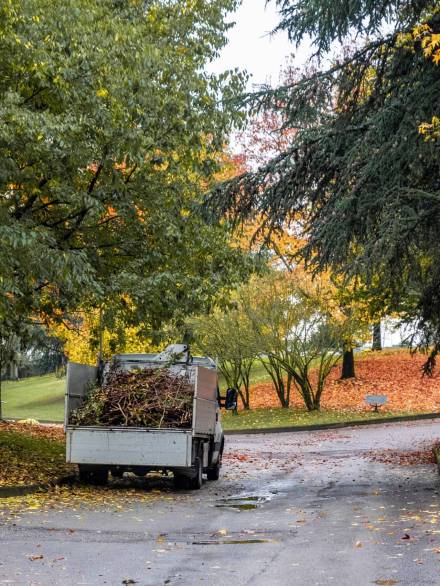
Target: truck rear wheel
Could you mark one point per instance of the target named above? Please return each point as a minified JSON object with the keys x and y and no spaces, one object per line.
{"x":196,"y":481}
{"x":213,"y":473}
{"x":93,"y":475}
{"x":181,"y":482}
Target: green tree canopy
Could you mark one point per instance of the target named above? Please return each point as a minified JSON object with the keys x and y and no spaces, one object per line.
{"x":109,"y":129}
{"x":358,"y":171}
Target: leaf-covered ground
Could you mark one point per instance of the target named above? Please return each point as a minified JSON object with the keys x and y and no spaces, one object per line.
{"x":81,"y":498}
{"x":35,"y":454}
{"x":31,"y":454}
{"x":396,"y":374}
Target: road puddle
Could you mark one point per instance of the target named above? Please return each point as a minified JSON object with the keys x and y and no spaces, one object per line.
{"x":232,"y":542}
{"x":242,"y":503}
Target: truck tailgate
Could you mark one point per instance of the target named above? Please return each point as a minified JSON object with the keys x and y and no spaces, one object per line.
{"x":128,"y":446}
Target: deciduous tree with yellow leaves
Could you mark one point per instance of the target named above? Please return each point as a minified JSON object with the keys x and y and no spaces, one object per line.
{"x":110,"y":129}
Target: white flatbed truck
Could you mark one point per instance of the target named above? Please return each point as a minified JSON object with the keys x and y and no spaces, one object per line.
{"x":188,"y":453}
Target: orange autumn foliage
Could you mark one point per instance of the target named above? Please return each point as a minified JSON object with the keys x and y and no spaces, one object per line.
{"x":396,"y":374}
{"x":49,"y":432}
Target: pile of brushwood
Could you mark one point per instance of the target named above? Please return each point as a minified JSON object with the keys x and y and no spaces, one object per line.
{"x":141,"y":398}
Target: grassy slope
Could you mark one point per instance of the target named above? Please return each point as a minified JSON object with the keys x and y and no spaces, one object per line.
{"x":39,"y":397}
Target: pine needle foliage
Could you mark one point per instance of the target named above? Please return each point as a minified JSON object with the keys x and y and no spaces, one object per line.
{"x":358,"y":171}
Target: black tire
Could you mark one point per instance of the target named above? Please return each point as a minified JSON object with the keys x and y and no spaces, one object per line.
{"x":117,"y":473}
{"x":196,"y":482}
{"x":214,"y":473}
{"x":181,"y":482}
{"x":95,"y":475}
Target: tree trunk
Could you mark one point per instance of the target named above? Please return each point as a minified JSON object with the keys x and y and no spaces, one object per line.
{"x":348,"y":365}
{"x":310,"y":403}
{"x":282,"y":393}
{"x":318,"y":394}
{"x":276,"y":375}
{"x":13,"y":370}
{"x":284,"y":403}
{"x":288,"y":389}
{"x":248,"y":399}
{"x":1,"y":404}
{"x":306,"y":394}
{"x":244,"y":399}
{"x":377,"y":337}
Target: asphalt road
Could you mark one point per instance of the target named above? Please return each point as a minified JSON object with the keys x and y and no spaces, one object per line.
{"x":321,"y":508}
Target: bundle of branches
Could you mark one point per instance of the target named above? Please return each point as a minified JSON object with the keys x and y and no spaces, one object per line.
{"x":142,"y":398}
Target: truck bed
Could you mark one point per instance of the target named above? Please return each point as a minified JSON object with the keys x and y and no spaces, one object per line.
{"x":204,"y":380}
{"x":119,"y":446}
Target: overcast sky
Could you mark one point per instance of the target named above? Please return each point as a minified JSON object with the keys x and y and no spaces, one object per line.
{"x":251,"y":46}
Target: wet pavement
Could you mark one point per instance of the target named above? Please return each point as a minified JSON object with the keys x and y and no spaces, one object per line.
{"x":352,"y":506}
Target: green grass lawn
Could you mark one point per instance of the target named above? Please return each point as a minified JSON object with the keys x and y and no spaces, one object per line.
{"x":37,"y":397}
{"x":258,"y":375}
{"x":279,"y":417}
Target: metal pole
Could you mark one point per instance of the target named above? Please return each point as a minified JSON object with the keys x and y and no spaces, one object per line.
{"x":101,"y":334}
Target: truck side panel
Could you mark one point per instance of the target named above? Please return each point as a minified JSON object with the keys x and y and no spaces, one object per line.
{"x":79,"y":377}
{"x":205,"y":400}
{"x":204,"y":416}
{"x":134,"y":447}
{"x":206,"y":383}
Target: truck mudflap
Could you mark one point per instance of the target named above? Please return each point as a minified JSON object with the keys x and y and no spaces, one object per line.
{"x":120,"y":446}
{"x":217,"y":450}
